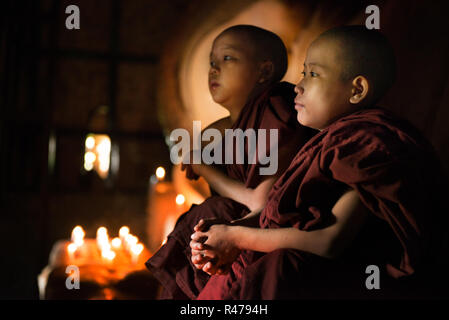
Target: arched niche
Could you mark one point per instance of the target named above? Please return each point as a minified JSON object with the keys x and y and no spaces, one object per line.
{"x":183,"y":94}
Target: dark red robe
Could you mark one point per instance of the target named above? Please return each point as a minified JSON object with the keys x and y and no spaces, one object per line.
{"x":272,"y":109}
{"x":398,"y":178}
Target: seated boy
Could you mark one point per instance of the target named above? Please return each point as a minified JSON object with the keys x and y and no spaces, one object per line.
{"x":366,"y":192}
{"x":246,"y":65}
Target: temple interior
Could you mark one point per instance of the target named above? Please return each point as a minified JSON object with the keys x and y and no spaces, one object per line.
{"x":86,"y":113}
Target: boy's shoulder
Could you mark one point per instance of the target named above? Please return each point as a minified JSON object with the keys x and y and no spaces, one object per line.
{"x":376,"y":129}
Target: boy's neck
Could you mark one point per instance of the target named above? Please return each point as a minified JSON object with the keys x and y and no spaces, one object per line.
{"x":235,"y":112}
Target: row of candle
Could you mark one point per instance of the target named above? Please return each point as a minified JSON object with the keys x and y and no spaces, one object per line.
{"x":126,"y":241}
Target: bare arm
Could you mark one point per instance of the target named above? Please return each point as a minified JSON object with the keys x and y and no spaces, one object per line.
{"x":255,"y":199}
{"x":329,"y":242}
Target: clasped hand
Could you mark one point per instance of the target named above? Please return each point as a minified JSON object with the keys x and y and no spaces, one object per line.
{"x":213,"y":250}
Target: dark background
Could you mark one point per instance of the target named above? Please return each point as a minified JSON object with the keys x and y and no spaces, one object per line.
{"x":53,"y":80}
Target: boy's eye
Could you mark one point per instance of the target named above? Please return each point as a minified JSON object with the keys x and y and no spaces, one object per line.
{"x":313,"y":74}
{"x":212,"y":64}
{"x":227,"y":58}
{"x":303,"y":73}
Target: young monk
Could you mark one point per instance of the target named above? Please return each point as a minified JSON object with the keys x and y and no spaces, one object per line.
{"x":246,"y":65}
{"x":366,"y":192}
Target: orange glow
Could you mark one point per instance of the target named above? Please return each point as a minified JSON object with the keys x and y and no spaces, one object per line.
{"x":116,"y":243}
{"x":123,"y":232}
{"x":97,"y":154}
{"x":71,"y":248}
{"x":108,"y":254}
{"x":78,"y":236}
{"x":180,"y":199}
{"x":137,"y":248}
{"x":160,"y":173}
{"x":103,"y":239}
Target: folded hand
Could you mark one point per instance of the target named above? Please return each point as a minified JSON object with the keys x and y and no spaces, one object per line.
{"x":213,"y":249}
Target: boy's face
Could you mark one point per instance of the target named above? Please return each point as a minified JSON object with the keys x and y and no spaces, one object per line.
{"x":233,"y":72}
{"x":322,"y":96}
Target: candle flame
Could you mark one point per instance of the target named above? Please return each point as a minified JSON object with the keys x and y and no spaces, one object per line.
{"x":71,"y":248}
{"x":102,"y":231}
{"x":136,"y":249}
{"x":123,"y":231}
{"x":160,"y":173}
{"x":90,"y":142}
{"x":180,"y":199}
{"x":78,"y":236}
{"x":103,"y":239}
{"x":131,"y":240}
{"x":108,"y":254}
{"x":90,"y":157}
{"x":116,"y":243}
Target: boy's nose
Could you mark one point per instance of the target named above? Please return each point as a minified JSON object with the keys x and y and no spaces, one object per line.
{"x":299,"y":89}
{"x":214,"y":70}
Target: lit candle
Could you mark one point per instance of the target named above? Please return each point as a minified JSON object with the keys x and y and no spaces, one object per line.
{"x":90,"y":142}
{"x":180,"y":199}
{"x":71,"y":248}
{"x":116,"y":243}
{"x":108,"y":255}
{"x":123,"y":232}
{"x":136,"y":249}
{"x":78,"y":236}
{"x":103,"y":239}
{"x":130,"y":240}
{"x":160,"y":173}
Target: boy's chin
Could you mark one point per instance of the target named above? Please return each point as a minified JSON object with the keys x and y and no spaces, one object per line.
{"x":303,"y":121}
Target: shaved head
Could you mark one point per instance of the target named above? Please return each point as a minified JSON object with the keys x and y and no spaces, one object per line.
{"x":267,"y":46}
{"x":364,"y":52}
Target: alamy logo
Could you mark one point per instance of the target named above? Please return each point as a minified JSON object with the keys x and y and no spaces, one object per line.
{"x":73,"y":20}
{"x":373,"y":20}
{"x":73,"y":280}
{"x":259,"y":148}
{"x":373,"y":280}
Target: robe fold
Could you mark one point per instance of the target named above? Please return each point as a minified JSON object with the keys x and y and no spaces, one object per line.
{"x":397,"y":176}
{"x":272,"y":109}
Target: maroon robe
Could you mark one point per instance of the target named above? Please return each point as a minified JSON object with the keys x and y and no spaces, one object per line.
{"x":397,"y":177}
{"x":272,"y":109}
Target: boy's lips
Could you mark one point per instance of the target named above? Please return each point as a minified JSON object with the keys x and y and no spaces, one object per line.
{"x":213,"y":84}
{"x":298,"y":105}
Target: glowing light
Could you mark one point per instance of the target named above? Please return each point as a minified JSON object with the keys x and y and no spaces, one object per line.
{"x":104,"y":147}
{"x":108,"y":254}
{"x":90,"y":157}
{"x":103,"y":239}
{"x":131,"y":240}
{"x":116,"y":243}
{"x":104,"y":164}
{"x":123,"y":232}
{"x":71,"y":248}
{"x":180,"y":199}
{"x":160,"y":173}
{"x":78,"y":236}
{"x":102,"y":231}
{"x":137,"y":248}
{"x":97,"y":154}
{"x":88,"y":166}
{"x":90,"y":142}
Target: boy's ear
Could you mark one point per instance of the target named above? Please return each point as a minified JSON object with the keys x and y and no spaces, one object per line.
{"x":266,"y":70}
{"x":360,"y":89}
